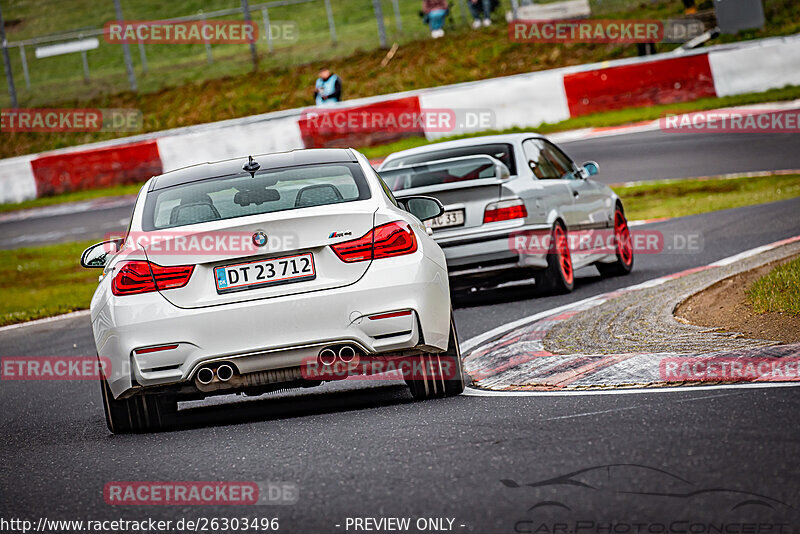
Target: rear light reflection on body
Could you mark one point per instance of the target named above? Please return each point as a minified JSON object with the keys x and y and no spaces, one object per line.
{"x":135,"y":277}
{"x":389,"y":315}
{"x":385,"y":241}
{"x":159,"y":348}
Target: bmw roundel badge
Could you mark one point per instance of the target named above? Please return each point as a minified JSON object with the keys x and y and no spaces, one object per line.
{"x":259,"y":239}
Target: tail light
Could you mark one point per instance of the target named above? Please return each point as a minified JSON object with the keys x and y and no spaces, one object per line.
{"x":505,"y":210}
{"x":385,"y":241}
{"x":134,"y":277}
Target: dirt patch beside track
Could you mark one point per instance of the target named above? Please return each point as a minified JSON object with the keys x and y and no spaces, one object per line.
{"x":724,"y":307}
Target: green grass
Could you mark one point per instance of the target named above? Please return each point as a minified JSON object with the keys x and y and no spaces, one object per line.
{"x":605,"y":119}
{"x":171,"y":64}
{"x":44,"y":281}
{"x":778,"y":290}
{"x":181,"y":89}
{"x":688,"y":197}
{"x":75,"y":196}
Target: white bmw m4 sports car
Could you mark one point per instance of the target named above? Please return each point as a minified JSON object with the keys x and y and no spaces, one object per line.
{"x":275,"y":271}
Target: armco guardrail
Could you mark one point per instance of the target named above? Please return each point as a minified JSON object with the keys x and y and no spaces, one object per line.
{"x":523,"y":100}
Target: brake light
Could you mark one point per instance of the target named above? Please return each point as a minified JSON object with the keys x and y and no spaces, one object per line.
{"x":134,"y":277}
{"x":385,"y":241}
{"x":505,"y":210}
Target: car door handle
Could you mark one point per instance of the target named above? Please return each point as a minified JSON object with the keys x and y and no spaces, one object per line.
{"x":576,"y":194}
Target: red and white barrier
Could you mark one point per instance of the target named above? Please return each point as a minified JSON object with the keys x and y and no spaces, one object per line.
{"x":773,"y":64}
{"x":95,"y":168}
{"x":231,"y":139}
{"x":525,"y":101}
{"x":639,"y":85}
{"x":17,"y":182}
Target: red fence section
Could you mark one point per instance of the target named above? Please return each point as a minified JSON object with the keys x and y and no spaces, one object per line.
{"x":639,"y":85}
{"x":91,"y":169}
{"x":371,"y":124}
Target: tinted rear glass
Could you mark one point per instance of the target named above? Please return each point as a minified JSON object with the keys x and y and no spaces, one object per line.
{"x":241,"y":195}
{"x":438,"y":173}
{"x":502,"y":151}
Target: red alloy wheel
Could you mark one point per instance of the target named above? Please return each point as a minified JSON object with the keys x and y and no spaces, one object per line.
{"x":564,"y":257}
{"x":623,"y":236}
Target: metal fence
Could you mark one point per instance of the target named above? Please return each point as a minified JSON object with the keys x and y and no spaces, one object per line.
{"x":83,"y":63}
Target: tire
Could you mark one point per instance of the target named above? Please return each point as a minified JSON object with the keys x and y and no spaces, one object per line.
{"x":624,"y":248}
{"x":559,"y":276}
{"x":447,"y":379}
{"x":142,"y":413}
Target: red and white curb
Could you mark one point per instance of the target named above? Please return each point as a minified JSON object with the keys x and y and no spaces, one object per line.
{"x":514,"y":353}
{"x":523,"y":101}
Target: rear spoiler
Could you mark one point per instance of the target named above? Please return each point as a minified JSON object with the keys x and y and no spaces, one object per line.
{"x":445,"y":174}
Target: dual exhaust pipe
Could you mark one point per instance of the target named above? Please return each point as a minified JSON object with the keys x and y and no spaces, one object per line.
{"x":327,"y":357}
{"x":330,"y":355}
{"x":207,"y":374}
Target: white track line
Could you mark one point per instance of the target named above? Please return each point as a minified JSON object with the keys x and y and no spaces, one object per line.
{"x":36,"y":322}
{"x":472,"y":392}
{"x":473,"y":342}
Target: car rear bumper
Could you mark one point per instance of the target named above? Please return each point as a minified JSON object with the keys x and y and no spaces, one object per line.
{"x":274,"y":333}
{"x":466,"y":251}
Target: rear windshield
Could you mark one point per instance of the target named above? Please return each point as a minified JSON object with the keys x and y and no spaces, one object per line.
{"x":502,"y":151}
{"x":438,"y":173}
{"x":240,"y":195}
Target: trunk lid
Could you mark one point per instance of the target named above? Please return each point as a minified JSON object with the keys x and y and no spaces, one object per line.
{"x":288,"y":233}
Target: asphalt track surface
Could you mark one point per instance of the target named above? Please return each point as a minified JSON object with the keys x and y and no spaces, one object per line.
{"x":627,"y":157}
{"x":365,"y":449}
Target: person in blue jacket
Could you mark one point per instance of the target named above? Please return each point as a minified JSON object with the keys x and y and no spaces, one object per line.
{"x":328,"y":88}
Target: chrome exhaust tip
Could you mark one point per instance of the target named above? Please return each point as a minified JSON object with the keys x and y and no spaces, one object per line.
{"x":347,"y":354}
{"x":205,"y":375}
{"x":327,"y":357}
{"x":224,"y":372}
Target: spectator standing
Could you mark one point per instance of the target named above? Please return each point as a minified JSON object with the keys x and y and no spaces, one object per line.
{"x":480,"y":9}
{"x":433,"y":14}
{"x":328,"y":88}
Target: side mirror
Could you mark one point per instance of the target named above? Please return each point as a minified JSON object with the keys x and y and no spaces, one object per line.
{"x":501,"y":171}
{"x":96,"y":256}
{"x":423,"y":208}
{"x":591,"y":168}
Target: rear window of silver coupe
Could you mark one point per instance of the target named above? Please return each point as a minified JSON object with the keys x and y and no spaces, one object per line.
{"x":240,"y":195}
{"x":501,"y":151}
